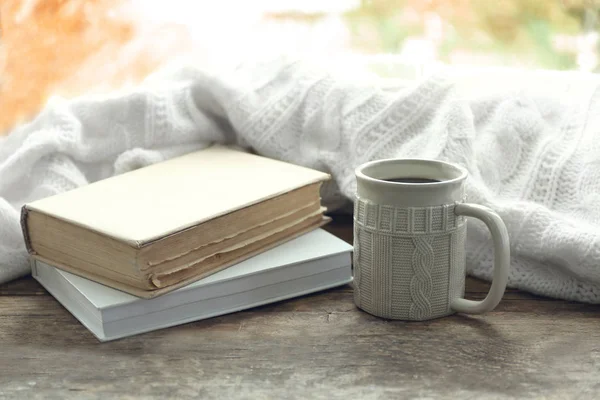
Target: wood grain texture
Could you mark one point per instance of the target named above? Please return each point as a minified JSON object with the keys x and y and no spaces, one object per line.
{"x":318,"y":346}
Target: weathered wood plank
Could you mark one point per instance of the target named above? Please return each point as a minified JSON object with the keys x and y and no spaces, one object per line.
{"x":537,"y":349}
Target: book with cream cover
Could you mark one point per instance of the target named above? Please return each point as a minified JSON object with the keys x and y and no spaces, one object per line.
{"x":157,"y":228}
{"x":309,"y":263}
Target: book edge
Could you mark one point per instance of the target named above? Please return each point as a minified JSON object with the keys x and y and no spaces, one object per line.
{"x":347,"y":249}
{"x":161,"y":291}
{"x":83,"y":310}
{"x":252,"y":276}
{"x":325,"y":220}
{"x":98,"y":327}
{"x":249,"y":306}
{"x":147,"y":294}
{"x":141,"y":242}
{"x":342,"y":248}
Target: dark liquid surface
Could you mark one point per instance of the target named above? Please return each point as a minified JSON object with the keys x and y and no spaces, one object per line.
{"x":411,"y":180}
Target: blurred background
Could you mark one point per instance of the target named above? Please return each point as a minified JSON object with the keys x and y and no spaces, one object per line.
{"x":70,"y":47}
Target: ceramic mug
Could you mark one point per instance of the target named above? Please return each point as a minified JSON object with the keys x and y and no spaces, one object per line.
{"x":409,"y":241}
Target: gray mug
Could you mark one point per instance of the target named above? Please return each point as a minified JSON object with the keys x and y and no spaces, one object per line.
{"x":409,"y":241}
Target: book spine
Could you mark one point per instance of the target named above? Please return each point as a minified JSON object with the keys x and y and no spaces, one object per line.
{"x":25,"y":229}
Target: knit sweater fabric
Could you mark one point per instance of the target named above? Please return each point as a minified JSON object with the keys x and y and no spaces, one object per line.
{"x":530,"y":140}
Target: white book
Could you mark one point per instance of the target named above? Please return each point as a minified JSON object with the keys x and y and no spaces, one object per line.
{"x":312,"y":262}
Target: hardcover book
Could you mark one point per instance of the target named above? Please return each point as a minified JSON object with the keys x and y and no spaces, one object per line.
{"x":152,"y":230}
{"x":312,"y":262}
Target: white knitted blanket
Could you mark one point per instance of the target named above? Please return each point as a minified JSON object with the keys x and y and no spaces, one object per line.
{"x":531,"y":142}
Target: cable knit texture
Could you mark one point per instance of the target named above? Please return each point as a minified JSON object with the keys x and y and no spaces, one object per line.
{"x":409,"y":262}
{"x":531,"y":142}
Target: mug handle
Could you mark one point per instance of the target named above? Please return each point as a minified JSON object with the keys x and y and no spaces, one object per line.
{"x":501,"y":259}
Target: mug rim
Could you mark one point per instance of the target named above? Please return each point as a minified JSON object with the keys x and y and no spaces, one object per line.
{"x":463,"y":173}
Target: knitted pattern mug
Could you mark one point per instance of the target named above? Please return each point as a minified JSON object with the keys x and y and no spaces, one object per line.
{"x":409,"y":241}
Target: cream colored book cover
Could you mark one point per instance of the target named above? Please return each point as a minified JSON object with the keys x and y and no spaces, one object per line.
{"x":152,"y":202}
{"x":151,"y":230}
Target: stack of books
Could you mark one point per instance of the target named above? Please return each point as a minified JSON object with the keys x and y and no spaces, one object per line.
{"x":204,"y":234}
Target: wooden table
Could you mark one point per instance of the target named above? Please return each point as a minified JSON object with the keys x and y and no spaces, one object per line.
{"x":319,"y":347}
